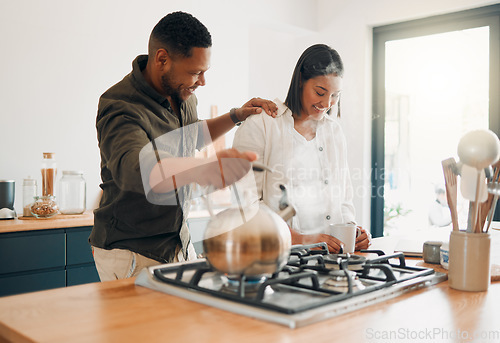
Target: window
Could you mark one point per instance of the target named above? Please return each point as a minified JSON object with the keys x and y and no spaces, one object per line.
{"x":433,"y":80}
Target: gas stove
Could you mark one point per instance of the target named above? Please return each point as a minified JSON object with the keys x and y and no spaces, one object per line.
{"x":313,"y":286}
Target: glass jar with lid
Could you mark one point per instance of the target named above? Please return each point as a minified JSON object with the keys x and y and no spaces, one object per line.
{"x":29,"y":192}
{"x":72,"y":192}
{"x":44,"y":206}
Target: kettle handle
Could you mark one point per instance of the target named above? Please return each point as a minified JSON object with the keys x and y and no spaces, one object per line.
{"x":260,"y":167}
{"x":287,"y":211}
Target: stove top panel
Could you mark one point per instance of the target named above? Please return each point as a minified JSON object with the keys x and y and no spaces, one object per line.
{"x":313,"y":286}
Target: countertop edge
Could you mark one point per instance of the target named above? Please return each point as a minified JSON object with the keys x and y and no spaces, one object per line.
{"x":59,"y":221}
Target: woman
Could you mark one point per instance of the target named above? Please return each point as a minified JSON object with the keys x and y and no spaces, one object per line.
{"x":306,"y":147}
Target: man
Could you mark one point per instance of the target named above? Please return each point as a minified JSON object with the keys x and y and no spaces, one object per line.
{"x":132,"y":228}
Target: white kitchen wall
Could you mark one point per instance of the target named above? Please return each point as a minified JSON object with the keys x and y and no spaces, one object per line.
{"x":58,"y":56}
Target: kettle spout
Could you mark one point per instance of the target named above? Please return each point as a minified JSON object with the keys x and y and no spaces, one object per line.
{"x":287,"y":211}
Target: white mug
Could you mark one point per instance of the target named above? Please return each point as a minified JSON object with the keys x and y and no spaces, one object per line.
{"x":346,"y":233}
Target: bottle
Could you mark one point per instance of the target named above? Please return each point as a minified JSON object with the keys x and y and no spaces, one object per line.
{"x":49,"y":171}
{"x":72,"y":192}
{"x":29,"y":193}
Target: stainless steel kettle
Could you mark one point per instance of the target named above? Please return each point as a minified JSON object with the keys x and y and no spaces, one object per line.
{"x":252,"y":241}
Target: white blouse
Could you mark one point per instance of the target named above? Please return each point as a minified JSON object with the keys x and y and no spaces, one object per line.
{"x":315,"y":172}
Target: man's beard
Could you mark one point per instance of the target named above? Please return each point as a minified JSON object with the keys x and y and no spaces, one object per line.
{"x":169,"y":90}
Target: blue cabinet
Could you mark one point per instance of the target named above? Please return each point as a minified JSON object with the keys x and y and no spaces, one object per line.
{"x":35,"y":250}
{"x":31,"y":282}
{"x":44,"y":259}
{"x":77,"y":275}
{"x":80,"y":266}
{"x":78,"y":249}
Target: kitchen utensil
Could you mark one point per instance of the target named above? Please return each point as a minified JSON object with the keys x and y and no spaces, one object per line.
{"x":491,"y":212}
{"x":476,"y":202}
{"x":479,"y":148}
{"x":451,"y":189}
{"x":494,"y":191}
{"x":479,"y":218}
{"x":255,"y":244}
{"x":469,"y":184}
{"x":488,"y":171}
{"x":7,"y":197}
{"x":469,"y":216}
{"x":473,"y":188}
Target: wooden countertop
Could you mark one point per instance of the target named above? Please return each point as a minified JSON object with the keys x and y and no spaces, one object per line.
{"x":57,"y":222}
{"x":120,"y":311}
{"x":66,"y":221}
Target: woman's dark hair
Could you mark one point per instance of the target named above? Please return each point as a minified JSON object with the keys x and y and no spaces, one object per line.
{"x":178,"y":33}
{"x":316,"y":60}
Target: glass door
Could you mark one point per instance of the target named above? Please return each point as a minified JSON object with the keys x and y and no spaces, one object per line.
{"x":434,"y":80}
{"x":436,"y":90}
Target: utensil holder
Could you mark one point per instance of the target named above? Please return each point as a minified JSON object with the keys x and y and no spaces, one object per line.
{"x":469,"y":261}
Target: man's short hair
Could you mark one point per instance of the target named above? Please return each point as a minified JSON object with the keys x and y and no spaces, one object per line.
{"x":178,"y":33}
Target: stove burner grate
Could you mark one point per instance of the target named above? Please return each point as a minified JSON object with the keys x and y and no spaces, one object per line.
{"x":308,"y":271}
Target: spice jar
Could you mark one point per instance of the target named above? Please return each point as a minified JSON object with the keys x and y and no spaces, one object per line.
{"x":49,"y":171}
{"x":29,"y":192}
{"x":44,"y":206}
{"x":72,"y":192}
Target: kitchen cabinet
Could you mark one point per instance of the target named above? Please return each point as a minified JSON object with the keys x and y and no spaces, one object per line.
{"x":197,"y":222}
{"x":80,"y":266}
{"x":197,"y":227}
{"x":40,"y":254}
{"x":34,"y":259}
